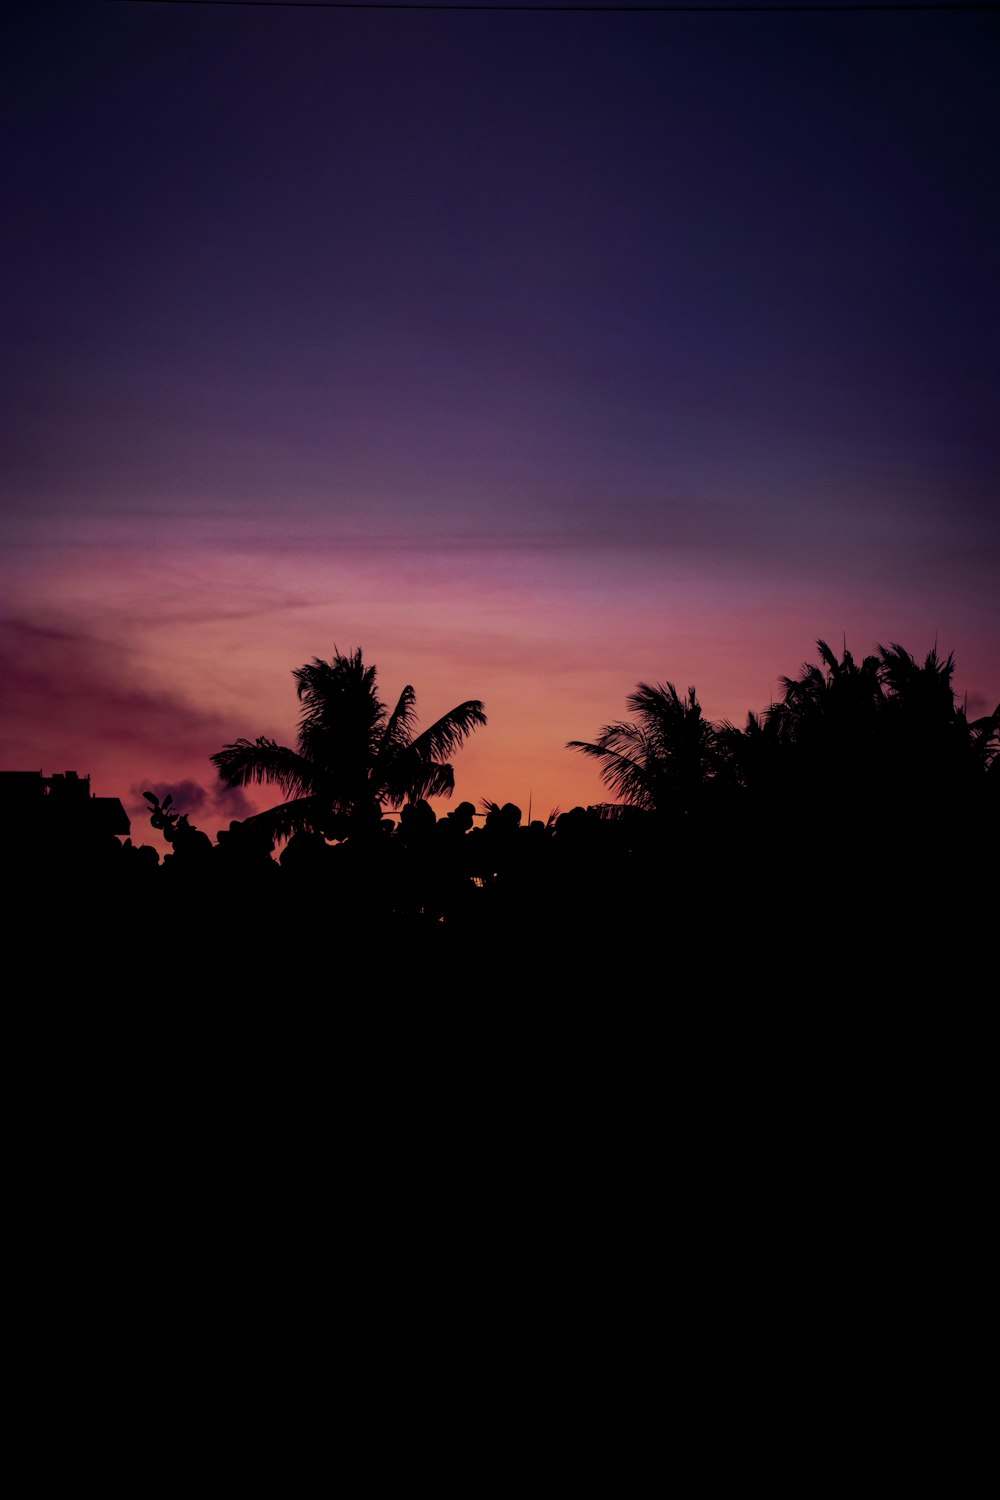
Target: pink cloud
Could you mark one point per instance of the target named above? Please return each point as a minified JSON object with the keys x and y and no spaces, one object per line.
{"x":70,"y":700}
{"x":63,"y":688}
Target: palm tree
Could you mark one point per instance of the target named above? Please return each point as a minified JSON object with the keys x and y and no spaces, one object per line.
{"x":871,"y":736}
{"x":931,"y":734}
{"x":839,"y":704}
{"x":353,"y":755}
{"x":662,"y":762}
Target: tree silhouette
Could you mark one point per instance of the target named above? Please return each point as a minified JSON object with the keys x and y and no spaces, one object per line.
{"x":662,"y":762}
{"x":835,"y":706}
{"x":884,"y":734}
{"x":353,"y":755}
{"x":931,"y":736}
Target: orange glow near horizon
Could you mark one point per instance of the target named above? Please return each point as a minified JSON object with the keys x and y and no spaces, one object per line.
{"x":145,"y":661}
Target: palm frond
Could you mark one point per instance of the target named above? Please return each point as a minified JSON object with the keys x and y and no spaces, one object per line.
{"x":622,"y":737}
{"x":411,"y":777}
{"x":398,"y":731}
{"x":302,"y":814}
{"x":829,"y":657}
{"x":450,"y":732}
{"x":653,"y":701}
{"x":984,"y":735}
{"x":625,"y":776}
{"x":249,"y":763}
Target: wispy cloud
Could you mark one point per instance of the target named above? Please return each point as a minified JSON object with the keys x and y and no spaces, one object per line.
{"x":66,"y":690}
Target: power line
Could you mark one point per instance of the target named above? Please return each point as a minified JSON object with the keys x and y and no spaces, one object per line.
{"x":709,"y":9}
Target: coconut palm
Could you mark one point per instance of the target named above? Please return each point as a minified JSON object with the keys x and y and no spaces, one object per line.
{"x":880,"y":733}
{"x":660,"y":763}
{"x":836,"y":703}
{"x":354,"y":756}
{"x":933,"y":736}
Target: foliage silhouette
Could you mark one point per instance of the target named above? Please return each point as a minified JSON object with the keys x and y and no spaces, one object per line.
{"x":839,"y":703}
{"x":353,"y":754}
{"x":661,"y":763}
{"x":858,"y":817}
{"x":885,"y":733}
{"x":188,"y":841}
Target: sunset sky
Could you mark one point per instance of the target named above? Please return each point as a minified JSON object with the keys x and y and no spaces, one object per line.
{"x":533,"y":354}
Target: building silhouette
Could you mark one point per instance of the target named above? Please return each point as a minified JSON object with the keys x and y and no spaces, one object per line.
{"x":38,"y":806}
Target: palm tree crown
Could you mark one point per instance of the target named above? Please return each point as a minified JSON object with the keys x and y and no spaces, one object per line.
{"x":353,"y":754}
{"x":884,"y":730}
{"x":661,"y":762}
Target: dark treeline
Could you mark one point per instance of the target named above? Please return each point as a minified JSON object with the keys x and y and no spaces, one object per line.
{"x":735,"y":1021}
{"x":857,"y":815}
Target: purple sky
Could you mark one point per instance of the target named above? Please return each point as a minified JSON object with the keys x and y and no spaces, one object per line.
{"x":534,"y":354}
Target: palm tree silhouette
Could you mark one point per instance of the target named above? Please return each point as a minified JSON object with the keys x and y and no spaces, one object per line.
{"x":883,"y":732}
{"x":353,"y":755}
{"x":662,"y":762}
{"x":839,"y":701}
{"x":939,"y":741}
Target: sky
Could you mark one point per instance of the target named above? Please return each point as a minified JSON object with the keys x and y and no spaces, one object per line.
{"x":533,"y":354}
